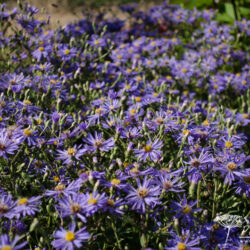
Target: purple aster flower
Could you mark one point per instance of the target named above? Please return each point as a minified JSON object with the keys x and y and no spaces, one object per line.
{"x":71,"y":153}
{"x":66,"y":53}
{"x":94,"y":202}
{"x":169,"y":182}
{"x":74,"y":205}
{"x":30,"y":136}
{"x":150,"y":150}
{"x":69,"y":239}
{"x":15,"y":226}
{"x":15,"y":81}
{"x":41,"y":52}
{"x":197,"y":164}
{"x":235,"y":142}
{"x":111,"y":105}
{"x":113,"y":206}
{"x":6,"y":206}
{"x":7,"y":145}
{"x":5,"y":243}
{"x":145,"y":194}
{"x":242,"y":186}
{"x":131,"y":133}
{"x":99,"y":143}
{"x":27,"y":206}
{"x":183,"y":242}
{"x":97,"y":41}
{"x":61,"y":190}
{"x":185,"y":210}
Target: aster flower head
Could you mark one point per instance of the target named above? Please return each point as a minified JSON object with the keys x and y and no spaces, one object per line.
{"x":170,"y":182}
{"x":68,"y":155}
{"x":185,"y":210}
{"x":7,"y":244}
{"x":27,"y":206}
{"x":229,"y":166}
{"x":61,"y":189}
{"x":98,"y":143}
{"x":70,"y":239}
{"x":199,"y":163}
{"x":113,"y":206}
{"x":150,"y":150}
{"x":73,"y":204}
{"x":183,"y":242}
{"x":7,"y":145}
{"x":6,"y":206}
{"x":94,"y":202}
{"x":146,"y":194}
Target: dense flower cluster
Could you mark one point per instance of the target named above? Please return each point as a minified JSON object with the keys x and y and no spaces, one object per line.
{"x":119,"y":135}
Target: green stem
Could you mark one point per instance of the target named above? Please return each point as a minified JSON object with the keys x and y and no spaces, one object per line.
{"x":214,"y":199}
{"x":198,"y":194}
{"x":116,"y":236}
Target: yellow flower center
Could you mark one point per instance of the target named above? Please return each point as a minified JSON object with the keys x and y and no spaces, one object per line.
{"x":205,"y":123}
{"x":60,"y":187}
{"x":138,"y":99}
{"x":27,"y":132}
{"x":22,"y":201}
{"x":169,"y":77}
{"x":132,"y":111}
{"x":127,"y":87}
{"x":231,"y":166}
{"x":247,"y":179}
{"x":75,"y":208}
{"x":228,"y":144}
{"x":110,"y":123}
{"x":66,"y":51}
{"x":71,"y":151}
{"x":28,"y":102}
{"x":244,"y":82}
{"x":184,"y":70}
{"x":245,"y":116}
{"x":41,"y":49}
{"x":111,"y":202}
{"x":125,"y":164}
{"x":56,"y":179}
{"x":245,"y":247}
{"x":92,"y":200}
{"x":216,"y":226}
{"x":6,"y":247}
{"x":98,"y":111}
{"x":142,"y":192}
{"x":69,"y":236}
{"x":181,"y":246}
{"x":187,"y":209}
{"x":96,"y":42}
{"x":148,"y":148}
{"x":185,"y":132}
{"x":115,"y":182}
{"x":1,"y":118}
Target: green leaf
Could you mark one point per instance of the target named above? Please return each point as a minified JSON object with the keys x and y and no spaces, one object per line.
{"x":201,"y":3}
{"x":224,"y":18}
{"x":244,"y":11}
{"x":229,"y":9}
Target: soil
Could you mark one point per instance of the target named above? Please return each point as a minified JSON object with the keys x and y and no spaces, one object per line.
{"x":61,"y":13}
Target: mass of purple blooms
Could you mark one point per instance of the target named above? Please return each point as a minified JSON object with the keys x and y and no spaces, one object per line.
{"x":124,"y":134}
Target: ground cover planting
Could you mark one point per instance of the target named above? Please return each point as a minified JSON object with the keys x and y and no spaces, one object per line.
{"x":124,"y":134}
